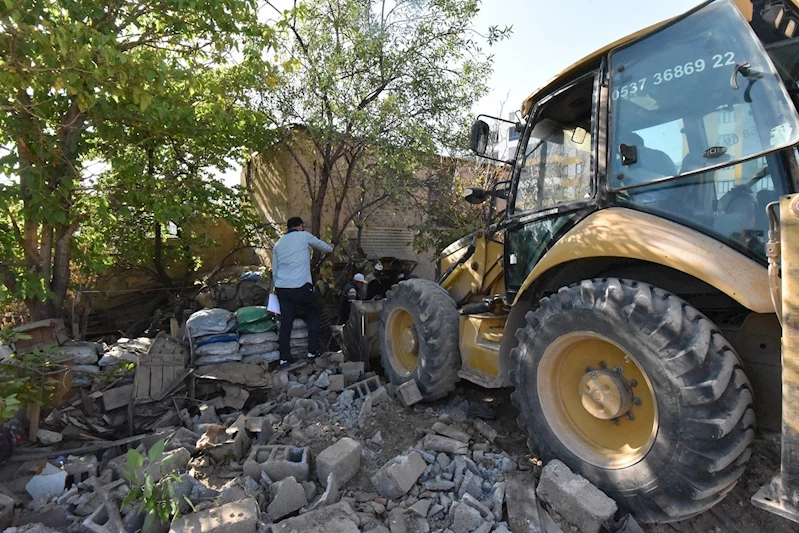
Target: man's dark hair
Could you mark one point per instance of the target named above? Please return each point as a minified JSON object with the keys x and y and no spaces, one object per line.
{"x":294,"y":222}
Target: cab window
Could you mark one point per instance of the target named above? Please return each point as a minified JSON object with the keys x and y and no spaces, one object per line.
{"x":558,"y":151}
{"x":674,"y":111}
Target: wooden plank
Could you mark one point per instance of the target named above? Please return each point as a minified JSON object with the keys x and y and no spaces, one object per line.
{"x":156,"y":379}
{"x":142,"y":382}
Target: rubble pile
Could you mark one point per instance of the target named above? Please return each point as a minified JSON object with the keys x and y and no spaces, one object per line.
{"x":307,"y":451}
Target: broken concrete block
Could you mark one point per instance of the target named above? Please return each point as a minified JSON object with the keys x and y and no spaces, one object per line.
{"x":574,"y":497}
{"x":466,"y":519}
{"x":221,"y":443}
{"x":336,"y":357}
{"x":451,"y":432}
{"x":522,"y":503}
{"x":173,"y":460}
{"x":336,"y":383}
{"x":421,"y":508}
{"x":343,"y":459}
{"x":409,"y":393}
{"x":336,"y":518}
{"x":471,"y":484}
{"x":277,"y":462}
{"x":6,"y":511}
{"x":370,"y":387}
{"x":310,"y":489}
{"x":398,"y":476}
{"x":117,"y":397}
{"x":331,"y":494}
{"x":323,"y":381}
{"x":50,"y":482}
{"x":235,"y":517}
{"x":208,"y":414}
{"x":235,"y":397}
{"x":437,"y":443}
{"x":47,"y":437}
{"x":82,"y":353}
{"x":99,"y":521}
{"x":485,"y":430}
{"x":352,"y":371}
{"x":238,"y":373}
{"x":188,"y":487}
{"x":287,"y":496}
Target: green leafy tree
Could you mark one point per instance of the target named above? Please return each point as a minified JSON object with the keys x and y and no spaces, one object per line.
{"x":84,"y":79}
{"x":373,"y":90}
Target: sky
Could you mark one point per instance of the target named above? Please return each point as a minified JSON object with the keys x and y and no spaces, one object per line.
{"x":550,"y":35}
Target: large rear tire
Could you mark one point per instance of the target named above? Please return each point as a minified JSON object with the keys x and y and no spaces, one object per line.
{"x":419,"y":337}
{"x":638,"y":392}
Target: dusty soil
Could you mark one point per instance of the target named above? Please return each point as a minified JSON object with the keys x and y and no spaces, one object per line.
{"x":734,"y":514}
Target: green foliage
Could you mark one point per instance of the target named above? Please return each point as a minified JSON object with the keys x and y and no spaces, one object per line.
{"x":88,"y":90}
{"x":27,"y":378}
{"x":375,"y":91}
{"x":154,"y":496}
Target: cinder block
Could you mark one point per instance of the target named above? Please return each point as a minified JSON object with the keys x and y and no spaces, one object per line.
{"x":409,"y":393}
{"x":575,"y":498}
{"x":278,"y":462}
{"x":336,"y":383}
{"x":352,"y":371}
{"x":397,"y":477}
{"x":235,"y":517}
{"x":343,"y":459}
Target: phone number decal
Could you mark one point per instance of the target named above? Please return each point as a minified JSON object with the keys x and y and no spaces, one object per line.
{"x":675,"y":73}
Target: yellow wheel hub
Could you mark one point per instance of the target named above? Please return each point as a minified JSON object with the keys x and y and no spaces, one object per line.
{"x":597,"y":399}
{"x":404,"y":340}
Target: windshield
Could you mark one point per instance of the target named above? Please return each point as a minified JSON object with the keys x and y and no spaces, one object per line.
{"x":674,"y":105}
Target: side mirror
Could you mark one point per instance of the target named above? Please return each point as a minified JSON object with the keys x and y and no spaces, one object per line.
{"x":475,"y":195}
{"x":478,"y":139}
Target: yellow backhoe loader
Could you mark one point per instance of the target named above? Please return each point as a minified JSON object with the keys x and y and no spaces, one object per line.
{"x":638,"y":283}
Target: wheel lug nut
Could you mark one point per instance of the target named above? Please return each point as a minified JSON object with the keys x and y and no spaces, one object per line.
{"x":618,"y":369}
{"x":615,"y":421}
{"x":637,"y":401}
{"x":633,"y":382}
{"x":630,"y":416}
{"x":594,"y":375}
{"x":603,"y":364}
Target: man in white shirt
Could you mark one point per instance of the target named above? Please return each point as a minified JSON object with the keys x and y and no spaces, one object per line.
{"x":291,"y":277}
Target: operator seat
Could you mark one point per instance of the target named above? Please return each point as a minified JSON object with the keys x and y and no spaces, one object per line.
{"x":696,"y":195}
{"x":651,"y":165}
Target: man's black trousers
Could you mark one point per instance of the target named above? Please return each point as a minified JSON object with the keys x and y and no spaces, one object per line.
{"x":302,"y":302}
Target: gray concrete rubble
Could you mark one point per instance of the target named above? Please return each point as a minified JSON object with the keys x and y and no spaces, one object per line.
{"x":575,"y":498}
{"x":326,"y":447}
{"x":236,"y":517}
{"x":287,"y":496}
{"x":343,"y":459}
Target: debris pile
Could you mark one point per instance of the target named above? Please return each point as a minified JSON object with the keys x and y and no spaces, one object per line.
{"x":308,"y":452}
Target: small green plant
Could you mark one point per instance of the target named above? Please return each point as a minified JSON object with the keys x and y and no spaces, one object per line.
{"x":9,"y":405}
{"x":153,"y":493}
{"x":27,"y":378}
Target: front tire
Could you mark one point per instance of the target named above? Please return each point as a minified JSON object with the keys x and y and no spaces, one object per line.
{"x":419,"y":337}
{"x":638,"y":392}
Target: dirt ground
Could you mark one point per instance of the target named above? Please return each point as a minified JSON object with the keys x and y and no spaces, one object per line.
{"x":735,"y":514}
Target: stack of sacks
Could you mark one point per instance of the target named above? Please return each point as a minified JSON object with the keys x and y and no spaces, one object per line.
{"x":299,"y":339}
{"x":213,"y":333}
{"x":257,"y":335}
{"x":259,"y":347}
